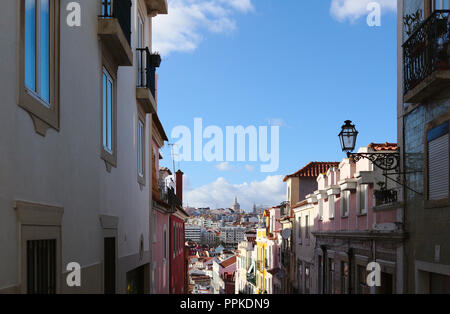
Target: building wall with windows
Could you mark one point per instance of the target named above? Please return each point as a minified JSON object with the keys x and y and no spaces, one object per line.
{"x":423,"y":112}
{"x":55,"y":179}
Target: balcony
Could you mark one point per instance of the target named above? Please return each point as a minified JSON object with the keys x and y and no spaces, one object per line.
{"x":114,"y":30}
{"x":157,"y":6}
{"x":426,"y":58}
{"x":146,"y":81}
{"x":167,"y":195}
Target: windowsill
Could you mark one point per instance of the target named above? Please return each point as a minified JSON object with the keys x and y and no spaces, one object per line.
{"x":109,"y":159}
{"x":141,"y":180}
{"x":361,"y":214}
{"x":345,"y":216}
{"x":431,"y":204}
{"x":331,"y":218}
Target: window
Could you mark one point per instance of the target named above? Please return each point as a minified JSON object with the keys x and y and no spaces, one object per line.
{"x":441,"y":5}
{"x":345,"y":203}
{"x":438,"y":162}
{"x":108,"y":86}
{"x":362,"y":196}
{"x":38,"y":62}
{"x":306,"y":227}
{"x":320,"y":209}
{"x":344,"y":277}
{"x":299,"y":229}
{"x":362,"y":277}
{"x":307,"y":280}
{"x":331,"y":207}
{"x":165,"y":243}
{"x":154,"y":226}
{"x":331,"y":272}
{"x":299,"y":277}
{"x":108,"y":151}
{"x":41,"y":267}
{"x":140,"y":44}
{"x":141,"y":149}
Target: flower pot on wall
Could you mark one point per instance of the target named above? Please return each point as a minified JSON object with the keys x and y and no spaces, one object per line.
{"x":155,"y":60}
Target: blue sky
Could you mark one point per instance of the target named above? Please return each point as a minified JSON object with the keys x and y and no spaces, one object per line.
{"x":308,"y":65}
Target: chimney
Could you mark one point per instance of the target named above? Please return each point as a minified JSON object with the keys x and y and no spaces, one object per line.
{"x":179,"y":184}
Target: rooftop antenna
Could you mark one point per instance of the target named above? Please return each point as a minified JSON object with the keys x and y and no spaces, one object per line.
{"x":173,"y":155}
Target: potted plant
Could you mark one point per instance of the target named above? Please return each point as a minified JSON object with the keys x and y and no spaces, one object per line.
{"x":155,"y":59}
{"x":412,"y":21}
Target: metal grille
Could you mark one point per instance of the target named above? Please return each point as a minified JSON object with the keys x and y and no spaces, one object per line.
{"x":147,"y":71}
{"x":110,"y":266}
{"x":41,"y":267}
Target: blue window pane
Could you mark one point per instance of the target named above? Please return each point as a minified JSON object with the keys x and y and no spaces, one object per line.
{"x":45,"y":50}
{"x":104,"y":110}
{"x":109,"y":116}
{"x":30,"y":44}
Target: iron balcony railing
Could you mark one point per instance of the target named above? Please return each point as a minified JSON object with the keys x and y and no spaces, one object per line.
{"x":384,"y":196}
{"x":146,"y":70}
{"x":121,"y":10}
{"x":425,"y":51}
{"x":168,"y":196}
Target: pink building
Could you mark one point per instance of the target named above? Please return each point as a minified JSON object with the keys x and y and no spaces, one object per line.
{"x":356,"y":221}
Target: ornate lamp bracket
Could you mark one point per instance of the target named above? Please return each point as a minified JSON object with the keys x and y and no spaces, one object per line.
{"x":385,"y":161}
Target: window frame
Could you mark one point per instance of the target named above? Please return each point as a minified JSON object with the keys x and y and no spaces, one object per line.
{"x":110,"y":158}
{"x":428,"y":127}
{"x":362,"y":190}
{"x":44,"y":114}
{"x":141,"y":118}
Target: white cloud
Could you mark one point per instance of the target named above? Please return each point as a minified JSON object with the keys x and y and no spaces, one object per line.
{"x":352,"y":10}
{"x":224,"y":166}
{"x":182,"y":29}
{"x":220,"y":193}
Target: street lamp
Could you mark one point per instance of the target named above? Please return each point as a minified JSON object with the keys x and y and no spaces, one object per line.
{"x":348,"y":136}
{"x":387,"y":161}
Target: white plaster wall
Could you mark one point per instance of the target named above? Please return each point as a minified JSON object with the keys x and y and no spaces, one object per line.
{"x":64,"y":168}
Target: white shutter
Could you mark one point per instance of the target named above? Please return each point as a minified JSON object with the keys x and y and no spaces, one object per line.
{"x":438,"y":168}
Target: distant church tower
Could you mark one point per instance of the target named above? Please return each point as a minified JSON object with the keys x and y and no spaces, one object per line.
{"x":236,"y":207}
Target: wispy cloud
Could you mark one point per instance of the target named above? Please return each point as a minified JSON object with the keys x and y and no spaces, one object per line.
{"x":352,"y":10}
{"x":220,"y":193}
{"x":183,"y":28}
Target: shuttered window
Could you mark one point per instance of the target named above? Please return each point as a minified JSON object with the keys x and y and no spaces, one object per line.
{"x":41,"y":267}
{"x":438,"y":162}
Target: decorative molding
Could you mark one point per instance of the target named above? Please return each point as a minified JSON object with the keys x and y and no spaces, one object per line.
{"x":38,"y":214}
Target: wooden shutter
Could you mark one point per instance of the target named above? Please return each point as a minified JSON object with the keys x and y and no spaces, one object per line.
{"x":438,"y":163}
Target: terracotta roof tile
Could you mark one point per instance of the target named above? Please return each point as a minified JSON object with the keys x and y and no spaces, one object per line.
{"x":228,"y":262}
{"x":383,"y":146}
{"x":313,"y":169}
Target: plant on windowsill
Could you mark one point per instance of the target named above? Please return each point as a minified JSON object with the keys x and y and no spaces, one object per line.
{"x":412,"y":22}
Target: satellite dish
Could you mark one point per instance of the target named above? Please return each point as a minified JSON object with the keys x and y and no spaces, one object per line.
{"x":286,"y":233}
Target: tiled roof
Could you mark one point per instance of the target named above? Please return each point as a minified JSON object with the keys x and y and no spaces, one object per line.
{"x":228,"y":262}
{"x":313,"y":169}
{"x":383,"y":146}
